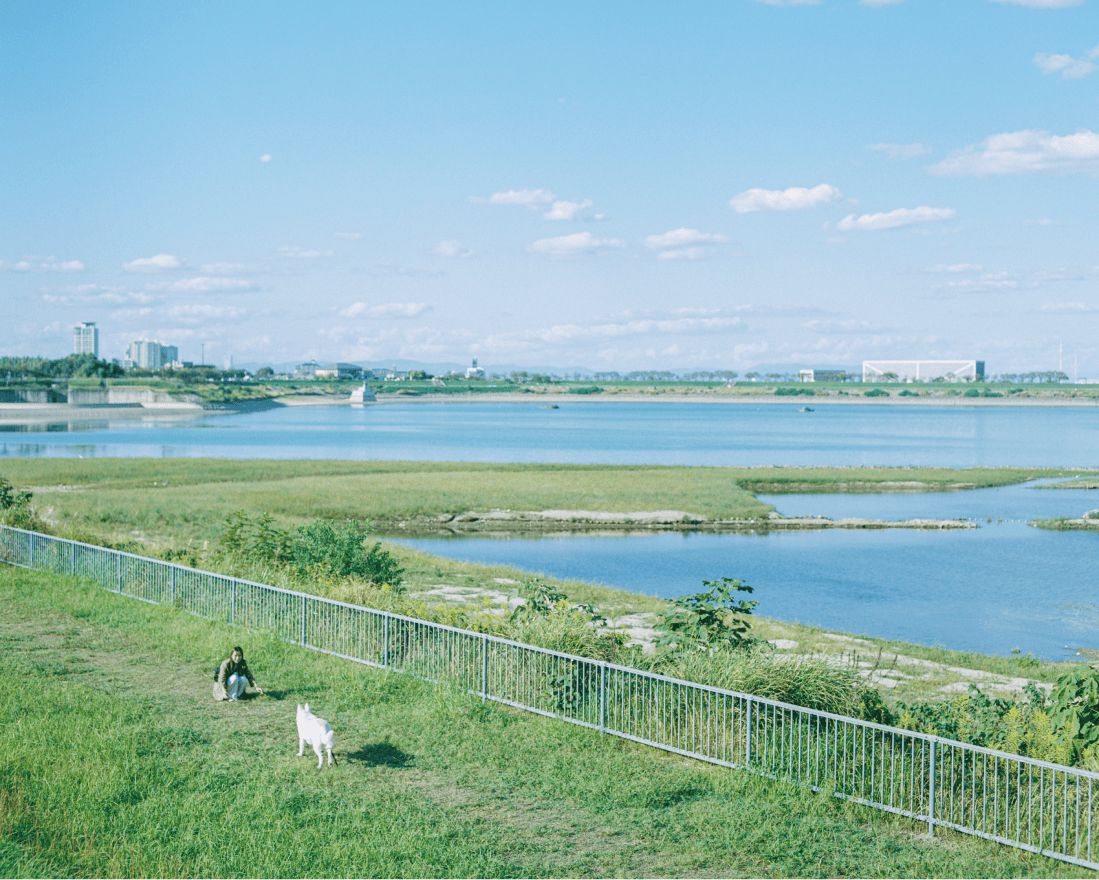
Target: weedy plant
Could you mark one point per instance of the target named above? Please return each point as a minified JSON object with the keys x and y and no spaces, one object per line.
{"x":320,"y":548}
{"x":707,"y":621}
{"x":15,"y":508}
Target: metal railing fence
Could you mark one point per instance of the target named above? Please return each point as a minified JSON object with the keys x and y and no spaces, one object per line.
{"x":1021,"y":802}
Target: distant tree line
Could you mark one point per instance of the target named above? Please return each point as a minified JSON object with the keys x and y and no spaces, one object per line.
{"x":1039,"y":376}
{"x":75,"y":366}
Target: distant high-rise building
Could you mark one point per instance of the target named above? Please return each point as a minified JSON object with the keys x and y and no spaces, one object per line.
{"x":86,"y":339}
{"x":147,"y":354}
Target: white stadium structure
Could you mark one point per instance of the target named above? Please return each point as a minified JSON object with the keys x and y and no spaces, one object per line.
{"x":922,"y":371}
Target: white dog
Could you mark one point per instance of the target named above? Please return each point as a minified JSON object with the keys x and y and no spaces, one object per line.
{"x":317,"y":732}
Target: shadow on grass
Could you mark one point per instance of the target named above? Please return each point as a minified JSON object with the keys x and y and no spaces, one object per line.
{"x":381,"y":754}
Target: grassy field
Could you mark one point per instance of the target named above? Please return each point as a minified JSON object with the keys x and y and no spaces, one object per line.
{"x":180,"y":500}
{"x":118,"y":763}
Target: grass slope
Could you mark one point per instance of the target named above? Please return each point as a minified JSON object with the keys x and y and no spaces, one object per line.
{"x":118,"y":763}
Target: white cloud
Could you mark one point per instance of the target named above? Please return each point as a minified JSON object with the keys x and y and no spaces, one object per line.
{"x":193,"y":313}
{"x":955,"y":268}
{"x":159,"y":263}
{"x":880,"y":2}
{"x":452,"y":248}
{"x":387,"y":310}
{"x":206,"y":284}
{"x":350,"y":236}
{"x":266,"y":157}
{"x":900,"y":151}
{"x":564,"y":210}
{"x":1024,"y":152}
{"x":577,"y":243}
{"x":788,"y":2}
{"x":1066,"y":65}
{"x":518,"y":197}
{"x":298,"y":253}
{"x":42,"y":264}
{"x":797,"y":198}
{"x":681,"y":237}
{"x":1069,"y":307}
{"x":895,"y":219}
{"x":675,"y":326}
{"x":1046,"y":221}
{"x":833,"y":326}
{"x":227,"y":268}
{"x":689,"y":253}
{"x":96,"y":295}
{"x":1043,"y":4}
{"x":998,"y":281}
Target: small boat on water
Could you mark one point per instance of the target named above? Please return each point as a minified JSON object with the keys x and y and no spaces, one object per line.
{"x":805,"y":409}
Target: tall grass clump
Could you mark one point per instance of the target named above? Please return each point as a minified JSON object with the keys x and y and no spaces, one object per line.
{"x":802,"y":681}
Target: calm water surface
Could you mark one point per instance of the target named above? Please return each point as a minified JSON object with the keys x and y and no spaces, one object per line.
{"x":1002,"y":586}
{"x":605,"y":432}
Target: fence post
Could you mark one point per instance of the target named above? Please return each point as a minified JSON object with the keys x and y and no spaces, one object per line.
{"x":385,"y":643}
{"x":232,"y":603}
{"x":302,"y":642}
{"x":172,"y":586}
{"x":72,"y":557}
{"x":748,"y":736}
{"x":484,"y":668}
{"x":602,"y":697}
{"x":118,"y":568}
{"x":931,"y":793}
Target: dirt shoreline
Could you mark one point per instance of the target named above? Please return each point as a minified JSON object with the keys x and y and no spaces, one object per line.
{"x":594,"y":523}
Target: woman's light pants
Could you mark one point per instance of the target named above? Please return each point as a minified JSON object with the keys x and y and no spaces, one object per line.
{"x":235,"y":686}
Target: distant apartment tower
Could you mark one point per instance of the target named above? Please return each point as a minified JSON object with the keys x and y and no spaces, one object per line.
{"x":86,"y":339}
{"x":923,"y":371}
{"x":147,"y":354}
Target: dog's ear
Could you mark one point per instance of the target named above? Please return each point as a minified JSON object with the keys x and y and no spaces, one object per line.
{"x":299,"y":707}
{"x":307,"y":708}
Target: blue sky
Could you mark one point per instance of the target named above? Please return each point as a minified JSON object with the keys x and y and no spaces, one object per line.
{"x":618,"y":186}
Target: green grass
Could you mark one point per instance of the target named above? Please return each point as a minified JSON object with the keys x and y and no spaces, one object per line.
{"x":176,"y":500}
{"x":118,"y":763}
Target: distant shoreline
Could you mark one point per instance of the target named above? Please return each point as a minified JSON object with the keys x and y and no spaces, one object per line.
{"x":56,"y":413}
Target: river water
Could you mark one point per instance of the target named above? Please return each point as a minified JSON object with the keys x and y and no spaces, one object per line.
{"x":605,"y":432}
{"x":1001,"y":586}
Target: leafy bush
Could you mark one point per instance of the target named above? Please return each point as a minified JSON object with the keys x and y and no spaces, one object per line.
{"x":876,"y":392}
{"x":792,"y":392}
{"x":586,"y":389}
{"x":15,"y":508}
{"x":705,"y":621}
{"x":1075,"y":705}
{"x":320,"y":548}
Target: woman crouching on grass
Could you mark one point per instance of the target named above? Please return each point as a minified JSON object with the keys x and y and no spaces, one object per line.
{"x":233,"y":677}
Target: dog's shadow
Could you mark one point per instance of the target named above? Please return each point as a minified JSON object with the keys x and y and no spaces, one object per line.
{"x":381,"y":754}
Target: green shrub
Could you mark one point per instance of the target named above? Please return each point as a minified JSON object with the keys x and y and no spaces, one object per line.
{"x":317,"y":549}
{"x":15,"y":508}
{"x":876,"y":392}
{"x":705,"y":621}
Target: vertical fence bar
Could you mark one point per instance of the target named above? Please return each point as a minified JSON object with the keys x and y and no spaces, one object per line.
{"x":484,"y":668}
{"x":931,"y":791}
